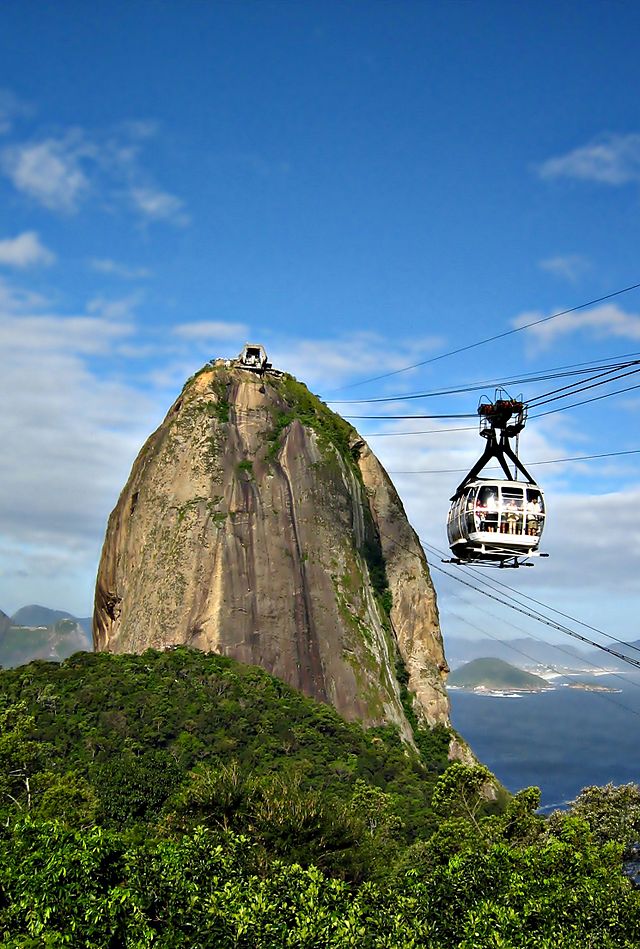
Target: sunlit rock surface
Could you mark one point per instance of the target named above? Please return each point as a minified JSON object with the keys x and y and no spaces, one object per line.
{"x":256,"y":523}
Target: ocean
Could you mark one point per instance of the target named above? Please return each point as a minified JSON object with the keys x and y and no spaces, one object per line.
{"x":560,"y":741}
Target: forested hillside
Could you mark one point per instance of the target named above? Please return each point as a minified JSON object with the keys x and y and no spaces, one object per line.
{"x":181,"y":799}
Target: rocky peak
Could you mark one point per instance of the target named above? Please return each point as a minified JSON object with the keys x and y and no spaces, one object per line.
{"x":258,"y":524}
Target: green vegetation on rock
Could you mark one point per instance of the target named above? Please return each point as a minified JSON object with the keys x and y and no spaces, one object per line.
{"x":330,"y":428}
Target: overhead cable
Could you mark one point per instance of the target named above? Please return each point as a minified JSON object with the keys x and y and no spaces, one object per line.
{"x":596,"y":398}
{"x":562,"y":408}
{"x":513,"y":604}
{"x":582,"y":385}
{"x":390,"y":418}
{"x":501,"y":585}
{"x":549,"y":461}
{"x":492,"y":339}
{"x":509,"y":644}
{"x":432,"y":431}
{"x":541,"y":619}
{"x":559,"y":372}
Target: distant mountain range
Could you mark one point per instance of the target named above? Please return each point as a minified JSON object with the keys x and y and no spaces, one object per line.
{"x":530,"y":653}
{"x":37,"y":632}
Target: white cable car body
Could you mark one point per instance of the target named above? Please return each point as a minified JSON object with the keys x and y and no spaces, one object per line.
{"x":492,"y":521}
{"x":496,"y":520}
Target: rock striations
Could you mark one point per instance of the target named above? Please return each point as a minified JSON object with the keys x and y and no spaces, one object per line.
{"x":256,"y":523}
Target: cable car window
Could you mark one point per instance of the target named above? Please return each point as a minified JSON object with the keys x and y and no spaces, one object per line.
{"x":469,"y":507}
{"x":487,"y":509}
{"x":511,"y":520}
{"x":535,"y":513}
{"x":535,"y":501}
{"x":512,"y":494}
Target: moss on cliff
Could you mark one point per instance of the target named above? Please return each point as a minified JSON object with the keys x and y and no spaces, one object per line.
{"x":331,"y":429}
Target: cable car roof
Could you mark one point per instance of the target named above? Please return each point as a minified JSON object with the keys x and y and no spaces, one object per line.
{"x":494,"y":482}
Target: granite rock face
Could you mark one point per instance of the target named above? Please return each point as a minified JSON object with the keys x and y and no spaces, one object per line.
{"x":256,"y":523}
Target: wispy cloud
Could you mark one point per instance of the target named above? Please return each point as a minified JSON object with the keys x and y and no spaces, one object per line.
{"x":569,"y":267}
{"x":62,"y":172}
{"x":16,"y":300}
{"x":602,"y":322}
{"x":158,"y":205}
{"x":25,"y":250}
{"x":118,"y":309}
{"x":609,"y":159}
{"x":11,"y":108}
{"x":207,"y":331}
{"x":329,"y":362}
{"x":50,"y":171}
{"x":115,"y":269}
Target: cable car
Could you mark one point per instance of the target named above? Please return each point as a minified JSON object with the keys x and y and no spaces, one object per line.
{"x":493,"y":521}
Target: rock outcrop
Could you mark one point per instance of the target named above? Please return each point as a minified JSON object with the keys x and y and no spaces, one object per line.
{"x":257,"y":523}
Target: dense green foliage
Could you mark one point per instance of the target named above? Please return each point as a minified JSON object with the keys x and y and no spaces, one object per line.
{"x":183,"y":800}
{"x":127,"y":723}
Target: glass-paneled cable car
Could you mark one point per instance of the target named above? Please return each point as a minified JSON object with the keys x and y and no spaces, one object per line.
{"x":497,"y":522}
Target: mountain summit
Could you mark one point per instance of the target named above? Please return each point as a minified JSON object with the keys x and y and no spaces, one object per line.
{"x":258,"y":524}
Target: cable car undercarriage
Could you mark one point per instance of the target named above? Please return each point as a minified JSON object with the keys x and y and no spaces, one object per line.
{"x":497,"y":522}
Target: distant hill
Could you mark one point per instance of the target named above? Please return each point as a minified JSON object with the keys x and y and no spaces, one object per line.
{"x":53,"y":640}
{"x":525,"y":651}
{"x":490,"y":673}
{"x":598,"y":658}
{"x":529,"y":653}
{"x":35,"y":615}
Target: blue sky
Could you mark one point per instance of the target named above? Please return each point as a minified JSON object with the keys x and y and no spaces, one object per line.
{"x":359,"y":186}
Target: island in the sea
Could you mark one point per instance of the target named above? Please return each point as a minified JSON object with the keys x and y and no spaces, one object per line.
{"x":591,"y":687}
{"x":495,"y":675}
{"x":491,"y":676}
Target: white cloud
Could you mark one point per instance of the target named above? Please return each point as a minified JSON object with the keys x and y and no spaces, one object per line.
{"x":61,"y":172}
{"x":329,"y":362}
{"x":25,"y":250}
{"x":570,"y":266}
{"x":602,"y":322}
{"x":115,"y":269}
{"x":610,"y":159}
{"x":205,"y":331}
{"x":594,"y":541}
{"x":158,"y":205}
{"x":50,"y":171}
{"x":69,"y":436}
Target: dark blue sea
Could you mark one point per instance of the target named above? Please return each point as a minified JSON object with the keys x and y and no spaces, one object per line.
{"x":560,"y":741}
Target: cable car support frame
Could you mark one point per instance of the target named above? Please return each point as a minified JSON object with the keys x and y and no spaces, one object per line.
{"x":500,"y":421}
